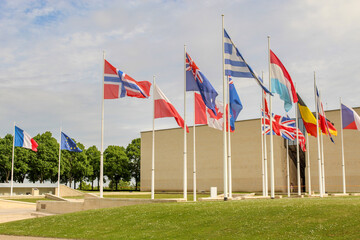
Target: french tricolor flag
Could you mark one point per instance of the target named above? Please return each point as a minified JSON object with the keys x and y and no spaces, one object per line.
{"x":23,"y":139}
{"x":350,"y":119}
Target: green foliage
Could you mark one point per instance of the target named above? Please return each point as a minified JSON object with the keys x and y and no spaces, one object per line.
{"x":297,"y":218}
{"x":134,"y":155}
{"x":6,"y":144}
{"x":93,"y":156}
{"x":116,"y":165}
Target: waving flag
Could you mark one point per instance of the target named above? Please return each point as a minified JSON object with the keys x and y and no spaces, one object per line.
{"x":325,"y":126}
{"x":235,"y":64}
{"x":284,"y":127}
{"x":350,"y":119}
{"x":281,"y":82}
{"x":68,"y":144}
{"x":235,"y":104}
{"x":200,"y":110}
{"x":196,"y":81}
{"x":23,"y":139}
{"x":164,"y":108}
{"x":118,"y":84}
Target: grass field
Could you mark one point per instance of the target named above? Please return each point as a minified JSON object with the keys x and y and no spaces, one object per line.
{"x":307,"y":218}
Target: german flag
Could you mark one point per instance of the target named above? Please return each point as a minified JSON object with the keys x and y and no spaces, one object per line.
{"x":307,"y":117}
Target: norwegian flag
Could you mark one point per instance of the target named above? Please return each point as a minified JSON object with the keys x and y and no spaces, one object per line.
{"x":284,"y":127}
{"x":196,"y":81}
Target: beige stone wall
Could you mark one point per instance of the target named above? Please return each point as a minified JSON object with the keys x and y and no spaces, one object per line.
{"x":246,"y":159}
{"x":332,"y":156}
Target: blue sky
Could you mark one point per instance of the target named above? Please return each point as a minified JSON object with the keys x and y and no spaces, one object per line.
{"x":51,"y":58}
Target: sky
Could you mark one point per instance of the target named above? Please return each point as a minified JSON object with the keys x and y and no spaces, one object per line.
{"x":51,"y":63}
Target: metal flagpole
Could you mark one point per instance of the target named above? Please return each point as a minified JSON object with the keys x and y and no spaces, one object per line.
{"x":322,"y":152}
{"x":194,"y":167}
{"x":185,"y":154}
{"x":262,"y":147}
{"x":153,"y":148}
{"x":265,"y":156}
{"x":102,"y":134}
{"x":224,"y":111}
{"x":59,"y":165}
{"x":287,"y":167}
{"x":12,"y":165}
{"x":308,"y":162}
{"x":297,"y":149}
{"x":318,"y":139}
{"x":272,"y":178}
{"x":229,"y":140}
{"x":342,"y":150}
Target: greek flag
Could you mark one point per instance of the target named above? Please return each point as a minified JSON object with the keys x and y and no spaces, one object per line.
{"x":235,"y":64}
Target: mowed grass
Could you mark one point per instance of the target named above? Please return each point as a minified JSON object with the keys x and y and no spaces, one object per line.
{"x":307,"y":218}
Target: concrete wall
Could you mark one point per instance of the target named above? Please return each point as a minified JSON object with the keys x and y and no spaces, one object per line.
{"x":5,"y":191}
{"x":332,"y":157}
{"x":246,"y":159}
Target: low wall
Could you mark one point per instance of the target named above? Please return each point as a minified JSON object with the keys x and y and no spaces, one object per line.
{"x":93,"y":202}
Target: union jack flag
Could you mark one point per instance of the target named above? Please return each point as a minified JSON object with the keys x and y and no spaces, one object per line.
{"x":284,"y":127}
{"x":196,"y":81}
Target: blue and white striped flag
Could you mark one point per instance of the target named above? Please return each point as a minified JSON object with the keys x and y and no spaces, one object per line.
{"x":235,"y":64}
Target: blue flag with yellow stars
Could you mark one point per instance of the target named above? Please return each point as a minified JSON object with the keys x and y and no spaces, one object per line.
{"x":68,"y":144}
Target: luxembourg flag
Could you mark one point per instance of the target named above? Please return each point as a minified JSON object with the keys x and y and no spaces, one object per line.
{"x":23,"y":139}
{"x":164,"y":108}
{"x":281,"y":82}
{"x":350,"y":119}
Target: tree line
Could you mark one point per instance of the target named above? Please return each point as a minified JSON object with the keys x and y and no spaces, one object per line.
{"x":120,"y":164}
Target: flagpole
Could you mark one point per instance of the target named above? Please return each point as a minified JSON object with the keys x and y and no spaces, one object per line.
{"x":185,"y":154}
{"x":322,"y":151}
{"x":265,"y":155}
{"x":342,"y":150}
{"x":287,"y":167}
{"x":262,"y":146}
{"x":229,"y":140}
{"x":59,"y":165}
{"x":297,"y":149}
{"x":12,"y":164}
{"x":272,"y":178}
{"x":194,"y":162}
{"x":101,"y":182}
{"x":224,"y":111}
{"x":318,"y":139}
{"x":153,"y":148}
{"x":308,"y":162}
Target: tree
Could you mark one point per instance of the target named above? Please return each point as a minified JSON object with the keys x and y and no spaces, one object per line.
{"x":5,"y":157}
{"x":133,"y":153}
{"x":117,"y":165}
{"x":22,"y":159}
{"x":45,"y":165}
{"x":93,"y":156}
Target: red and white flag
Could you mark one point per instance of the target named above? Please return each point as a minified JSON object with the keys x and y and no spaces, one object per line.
{"x":164,"y":108}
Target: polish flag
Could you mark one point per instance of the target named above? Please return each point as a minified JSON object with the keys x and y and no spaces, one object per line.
{"x":23,"y":139}
{"x":164,"y":108}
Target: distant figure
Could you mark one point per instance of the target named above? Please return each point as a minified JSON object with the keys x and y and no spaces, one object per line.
{"x":291,"y":187}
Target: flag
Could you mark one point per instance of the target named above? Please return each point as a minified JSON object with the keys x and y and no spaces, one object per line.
{"x":118,"y":84}
{"x":281,"y":82}
{"x":235,"y":104}
{"x":200,"y":110}
{"x":68,"y":144}
{"x":23,"y":139}
{"x":235,"y":64}
{"x":163,"y":107}
{"x":196,"y":81}
{"x":323,"y":121}
{"x":350,"y":119}
{"x":286,"y":128}
{"x":308,"y":117}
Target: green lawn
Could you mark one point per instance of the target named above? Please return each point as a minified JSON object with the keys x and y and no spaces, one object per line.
{"x":159,"y":195}
{"x":30,"y":200}
{"x":307,"y":218}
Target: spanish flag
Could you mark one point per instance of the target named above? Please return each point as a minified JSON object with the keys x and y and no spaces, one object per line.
{"x":307,"y":117}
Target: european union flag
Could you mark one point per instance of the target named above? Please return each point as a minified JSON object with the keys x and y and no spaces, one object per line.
{"x":68,"y":144}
